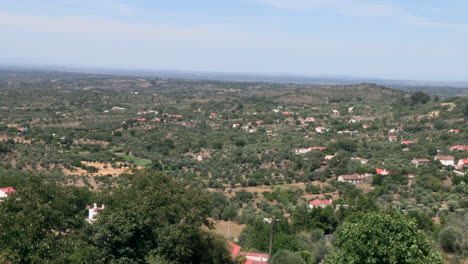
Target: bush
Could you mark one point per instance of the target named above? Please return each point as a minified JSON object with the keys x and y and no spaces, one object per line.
{"x":450,"y":239}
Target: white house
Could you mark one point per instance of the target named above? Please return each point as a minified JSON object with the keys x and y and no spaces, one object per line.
{"x":302,"y":150}
{"x":463,"y":163}
{"x":445,"y":160}
{"x":353,"y":178}
{"x":321,"y":130}
{"x":5,"y":192}
{"x":93,"y":211}
{"x":320,"y":203}
{"x":417,"y":162}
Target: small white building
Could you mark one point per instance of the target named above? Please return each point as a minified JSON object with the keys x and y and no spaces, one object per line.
{"x":445,"y":160}
{"x":353,"y":178}
{"x":93,"y":212}
{"x":321,"y":130}
{"x":320,"y":203}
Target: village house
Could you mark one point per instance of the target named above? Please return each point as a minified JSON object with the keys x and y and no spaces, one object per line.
{"x":5,"y":192}
{"x":176,"y":116}
{"x":235,"y":125}
{"x":141,"y":119}
{"x":251,"y":258}
{"x":92,"y":212}
{"x":392,"y":138}
{"x":382,"y":171}
{"x":361,"y":160}
{"x":407,"y":142}
{"x":454,"y":131}
{"x":417,"y":162}
{"x":353,"y":178}
{"x":117,"y":108}
{"x":445,"y":160}
{"x":214,"y":116}
{"x":459,"y":147}
{"x":310,"y":119}
{"x":320,"y":203}
{"x":321,"y":130}
{"x":463,"y":163}
{"x":365,"y":126}
{"x":287,"y":113}
{"x":306,"y":150}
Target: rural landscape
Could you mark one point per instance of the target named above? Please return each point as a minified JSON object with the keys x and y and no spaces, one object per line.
{"x":100,"y":168}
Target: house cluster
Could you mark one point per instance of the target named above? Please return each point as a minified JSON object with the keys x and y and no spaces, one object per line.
{"x":250,"y":257}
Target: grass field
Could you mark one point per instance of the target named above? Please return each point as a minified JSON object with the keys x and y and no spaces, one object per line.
{"x":137,"y":161}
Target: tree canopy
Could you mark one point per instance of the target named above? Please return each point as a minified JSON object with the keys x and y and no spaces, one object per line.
{"x":382,"y":238}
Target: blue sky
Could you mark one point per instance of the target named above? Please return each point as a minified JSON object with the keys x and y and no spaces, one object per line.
{"x":398,"y":39}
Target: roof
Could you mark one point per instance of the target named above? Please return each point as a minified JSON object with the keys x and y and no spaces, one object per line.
{"x":464,"y":161}
{"x":8,"y":190}
{"x":319,"y":127}
{"x":406,"y":142}
{"x":459,"y":147}
{"x":381,"y":171}
{"x":422,"y":160}
{"x":444,"y":158}
{"x":319,"y":202}
{"x":318,"y":148}
{"x":234,"y":249}
{"x":351,"y":177}
{"x":255,"y":258}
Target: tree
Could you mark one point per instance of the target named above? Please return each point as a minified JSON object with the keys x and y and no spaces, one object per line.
{"x":419,"y":98}
{"x":286,"y":256}
{"x":149,"y":215}
{"x":381,"y":238}
{"x":35,"y":221}
{"x":450,"y":239}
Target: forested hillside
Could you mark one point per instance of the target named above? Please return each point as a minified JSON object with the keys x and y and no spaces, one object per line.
{"x":333,"y":174}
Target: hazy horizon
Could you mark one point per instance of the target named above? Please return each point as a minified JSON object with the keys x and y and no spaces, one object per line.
{"x":395,"y":40}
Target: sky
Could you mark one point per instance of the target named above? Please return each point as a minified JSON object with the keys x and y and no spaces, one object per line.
{"x":393,"y":39}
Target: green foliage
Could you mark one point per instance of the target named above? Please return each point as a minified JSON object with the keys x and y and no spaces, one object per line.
{"x":149,"y":214}
{"x":419,"y":98}
{"x":286,"y":256}
{"x":451,"y":240}
{"x":382,"y":238}
{"x":37,"y":219}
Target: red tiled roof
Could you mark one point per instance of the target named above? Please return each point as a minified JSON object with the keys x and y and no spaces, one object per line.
{"x":8,"y":190}
{"x":444,"y":158}
{"x":234,"y":249}
{"x":351,"y":177}
{"x":318,"y":148}
{"x":423,"y":160}
{"x":381,"y":171}
{"x":319,"y":202}
{"x":407,"y":142}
